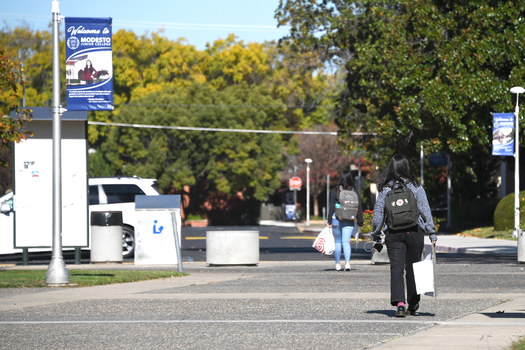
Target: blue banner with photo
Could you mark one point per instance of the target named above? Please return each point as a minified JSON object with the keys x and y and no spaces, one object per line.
{"x":503,"y":134}
{"x":89,"y":64}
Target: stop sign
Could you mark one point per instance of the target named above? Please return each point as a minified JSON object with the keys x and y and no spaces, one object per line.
{"x":295,"y":183}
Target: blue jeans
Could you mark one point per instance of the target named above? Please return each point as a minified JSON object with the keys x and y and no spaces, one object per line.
{"x":342,"y":231}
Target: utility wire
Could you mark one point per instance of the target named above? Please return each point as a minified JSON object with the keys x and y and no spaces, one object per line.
{"x":215,"y":105}
{"x":189,"y":128}
{"x":170,"y":25}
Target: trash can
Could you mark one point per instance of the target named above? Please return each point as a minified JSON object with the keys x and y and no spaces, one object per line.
{"x":106,"y":236}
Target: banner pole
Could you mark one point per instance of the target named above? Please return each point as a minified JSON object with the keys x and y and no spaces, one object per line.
{"x":57,"y":273}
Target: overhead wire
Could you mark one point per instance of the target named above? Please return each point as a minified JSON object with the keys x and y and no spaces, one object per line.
{"x":192,"y":128}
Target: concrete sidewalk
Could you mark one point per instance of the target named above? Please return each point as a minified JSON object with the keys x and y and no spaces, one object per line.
{"x":285,"y":305}
{"x":450,"y":243}
{"x":493,"y":328}
{"x":474,"y":245}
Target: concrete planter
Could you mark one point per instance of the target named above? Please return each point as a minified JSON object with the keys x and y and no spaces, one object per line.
{"x":380,"y":258}
{"x":232,"y":248}
{"x":196,"y":223}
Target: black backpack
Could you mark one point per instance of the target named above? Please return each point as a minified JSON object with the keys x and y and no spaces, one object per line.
{"x":401,"y":207}
{"x":348,"y":204}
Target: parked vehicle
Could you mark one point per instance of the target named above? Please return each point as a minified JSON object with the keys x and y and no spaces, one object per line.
{"x":6,"y":224}
{"x":118,"y":194}
{"x":105,"y":194}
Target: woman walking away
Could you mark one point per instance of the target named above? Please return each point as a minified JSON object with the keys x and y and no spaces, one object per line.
{"x":344,"y":211}
{"x":404,"y":235}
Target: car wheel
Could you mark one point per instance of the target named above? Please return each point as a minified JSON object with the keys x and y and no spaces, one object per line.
{"x":128,"y":241}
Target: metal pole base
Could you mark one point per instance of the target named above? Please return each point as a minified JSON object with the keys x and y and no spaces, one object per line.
{"x":57,"y":273}
{"x":521,"y":246}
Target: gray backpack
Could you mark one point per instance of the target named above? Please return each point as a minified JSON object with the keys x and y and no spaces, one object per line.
{"x":348,"y":205}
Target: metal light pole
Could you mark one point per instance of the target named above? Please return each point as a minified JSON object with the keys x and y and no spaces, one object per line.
{"x":327,"y":195}
{"x":517,"y":231}
{"x":295,"y":196}
{"x":308,"y":161}
{"x":57,"y":273}
{"x":421,"y":157}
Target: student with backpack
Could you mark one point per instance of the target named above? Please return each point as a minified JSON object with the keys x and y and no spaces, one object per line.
{"x":402,"y":205}
{"x":345,"y":210}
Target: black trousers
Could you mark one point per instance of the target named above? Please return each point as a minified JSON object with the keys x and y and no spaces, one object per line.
{"x":404,"y":248}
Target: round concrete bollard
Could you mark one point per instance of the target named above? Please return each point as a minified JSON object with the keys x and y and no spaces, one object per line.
{"x":106,"y":236}
{"x":232,"y":248}
{"x":381,"y":257}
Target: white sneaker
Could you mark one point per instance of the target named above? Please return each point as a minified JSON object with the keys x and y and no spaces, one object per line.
{"x":347,"y":266}
{"x":337,"y":267}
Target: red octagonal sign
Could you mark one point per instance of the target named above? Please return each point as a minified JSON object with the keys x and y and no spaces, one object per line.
{"x":295,"y":183}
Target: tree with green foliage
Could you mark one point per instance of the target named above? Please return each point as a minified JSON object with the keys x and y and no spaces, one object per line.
{"x":420,"y":72}
{"x":11,"y":128}
{"x":327,"y":160}
{"x":292,"y":88}
{"x":34,"y":50}
{"x":208,"y":162}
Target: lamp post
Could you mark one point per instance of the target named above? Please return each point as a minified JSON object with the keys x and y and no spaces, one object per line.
{"x":517,"y":232}
{"x":308,"y":161}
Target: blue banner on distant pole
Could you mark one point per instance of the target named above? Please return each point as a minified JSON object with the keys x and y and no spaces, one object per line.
{"x":89,"y":64}
{"x":438,"y":159}
{"x":503,"y":134}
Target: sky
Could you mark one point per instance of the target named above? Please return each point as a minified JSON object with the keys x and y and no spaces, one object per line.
{"x":199,"y":21}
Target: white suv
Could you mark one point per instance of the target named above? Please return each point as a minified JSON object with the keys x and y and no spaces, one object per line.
{"x":118,"y":194}
{"x":105,"y":194}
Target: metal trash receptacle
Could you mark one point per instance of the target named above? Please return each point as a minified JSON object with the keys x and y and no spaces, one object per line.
{"x":106,"y":236}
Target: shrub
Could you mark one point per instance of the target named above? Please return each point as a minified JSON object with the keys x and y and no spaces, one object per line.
{"x":194,"y":217}
{"x":504,"y":213}
{"x":367,"y":221}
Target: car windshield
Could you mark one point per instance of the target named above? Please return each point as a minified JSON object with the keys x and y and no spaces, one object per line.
{"x":124,"y":193}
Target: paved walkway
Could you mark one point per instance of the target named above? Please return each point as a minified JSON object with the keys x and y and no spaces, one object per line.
{"x":450,"y":243}
{"x":276,"y":305}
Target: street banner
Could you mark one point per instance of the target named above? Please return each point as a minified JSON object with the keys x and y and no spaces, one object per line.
{"x":438,"y":159}
{"x":89,"y":64}
{"x":503,"y":134}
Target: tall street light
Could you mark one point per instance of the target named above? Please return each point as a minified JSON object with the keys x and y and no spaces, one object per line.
{"x":308,"y":161}
{"x":517,"y":232}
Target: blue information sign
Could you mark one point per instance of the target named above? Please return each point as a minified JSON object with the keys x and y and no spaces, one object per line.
{"x":89,"y":64}
{"x":503,"y":134}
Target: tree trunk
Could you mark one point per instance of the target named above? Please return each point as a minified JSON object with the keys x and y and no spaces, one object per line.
{"x":316,"y":206}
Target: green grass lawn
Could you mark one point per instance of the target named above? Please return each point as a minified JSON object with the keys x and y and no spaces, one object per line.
{"x":82,"y":278}
{"x":487,"y":232}
{"x":518,"y":345}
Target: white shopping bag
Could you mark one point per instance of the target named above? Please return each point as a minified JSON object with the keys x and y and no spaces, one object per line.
{"x":424,"y":275}
{"x":324,"y":242}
